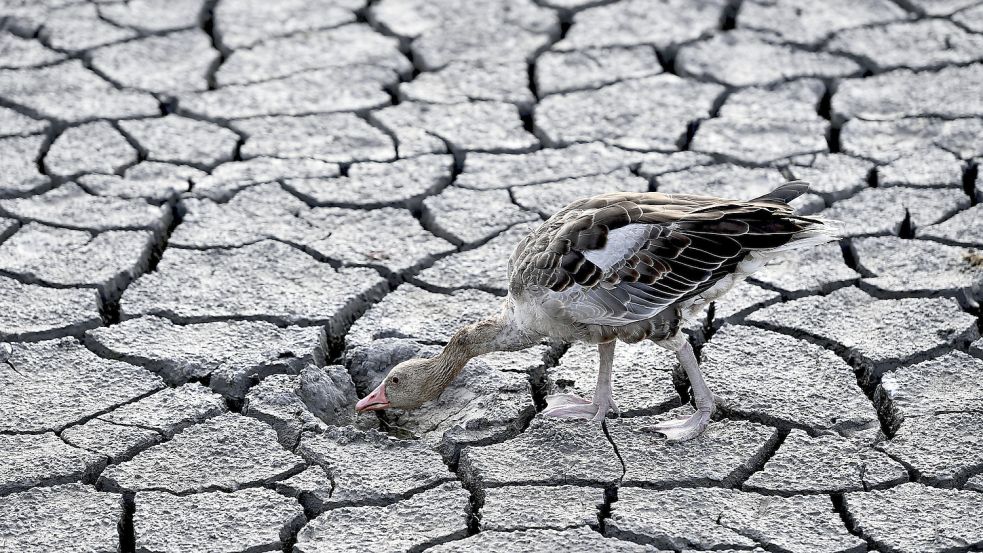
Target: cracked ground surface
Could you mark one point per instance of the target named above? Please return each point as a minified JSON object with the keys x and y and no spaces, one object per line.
{"x":223,"y":221}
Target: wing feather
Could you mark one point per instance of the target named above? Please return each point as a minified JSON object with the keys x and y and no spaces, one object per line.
{"x":619,"y":258}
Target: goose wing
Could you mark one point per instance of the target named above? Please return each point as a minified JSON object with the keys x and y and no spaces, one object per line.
{"x":624,"y":257}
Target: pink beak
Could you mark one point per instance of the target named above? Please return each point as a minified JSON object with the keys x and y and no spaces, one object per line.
{"x":376,"y":401}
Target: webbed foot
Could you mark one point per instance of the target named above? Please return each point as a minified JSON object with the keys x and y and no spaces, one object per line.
{"x":572,"y":406}
{"x":682,"y":429}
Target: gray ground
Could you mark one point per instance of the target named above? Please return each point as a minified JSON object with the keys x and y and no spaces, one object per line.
{"x":222,"y":221}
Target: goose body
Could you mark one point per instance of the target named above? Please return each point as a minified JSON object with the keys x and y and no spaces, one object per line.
{"x":619,"y":266}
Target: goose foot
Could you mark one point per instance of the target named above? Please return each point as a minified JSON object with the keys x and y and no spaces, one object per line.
{"x":682,"y":429}
{"x":572,"y":406}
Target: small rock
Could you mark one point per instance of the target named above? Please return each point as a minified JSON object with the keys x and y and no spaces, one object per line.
{"x":31,"y":460}
{"x":329,"y":393}
{"x":641,"y":114}
{"x":176,"y":139}
{"x":553,"y":452}
{"x":722,"y":518}
{"x":906,"y":330}
{"x":333,"y":137}
{"x":963,"y":229}
{"x":34,"y":312}
{"x":924,"y":44}
{"x":62,"y":257}
{"x":879,"y":211}
{"x":898,"y":267}
{"x":825,"y":464}
{"x":451,"y":214}
{"x":70,"y":207}
{"x":61,"y":518}
{"x":745,"y":58}
{"x":558,"y":72}
{"x":346,"y":46}
{"x":73,"y":94}
{"x":246,"y":520}
{"x":370,"y":468}
{"x":90,"y":148}
{"x":59,"y":382}
{"x":523,"y":507}
{"x":168,"y":64}
{"x":642,"y":376}
{"x":433,"y":516}
{"x":475,"y":126}
{"x":263,"y":281}
{"x":913,"y":518}
{"x":230,"y":354}
{"x":817,"y":270}
{"x":471,"y":81}
{"x":226,"y":453}
{"x":400,"y":183}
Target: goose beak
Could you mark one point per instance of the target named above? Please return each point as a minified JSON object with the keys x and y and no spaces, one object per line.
{"x":376,"y":401}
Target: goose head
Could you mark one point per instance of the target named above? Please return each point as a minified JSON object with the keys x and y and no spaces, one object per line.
{"x":408,"y":385}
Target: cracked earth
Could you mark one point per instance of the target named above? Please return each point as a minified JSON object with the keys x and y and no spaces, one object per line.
{"x":221,"y":222}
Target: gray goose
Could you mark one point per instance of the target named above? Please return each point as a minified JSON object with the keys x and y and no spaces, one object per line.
{"x":620,"y":266}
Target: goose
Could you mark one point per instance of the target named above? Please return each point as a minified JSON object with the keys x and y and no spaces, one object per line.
{"x":618,"y":266}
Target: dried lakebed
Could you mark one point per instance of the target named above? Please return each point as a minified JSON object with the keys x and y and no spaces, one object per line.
{"x":222,"y":222}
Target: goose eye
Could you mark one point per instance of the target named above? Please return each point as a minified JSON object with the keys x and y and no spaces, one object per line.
{"x":394,"y":380}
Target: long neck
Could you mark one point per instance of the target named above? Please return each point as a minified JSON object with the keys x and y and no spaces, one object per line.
{"x":486,"y":336}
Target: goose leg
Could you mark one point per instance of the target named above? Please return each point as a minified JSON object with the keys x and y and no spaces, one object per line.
{"x":575,"y":407}
{"x":687,"y":428}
